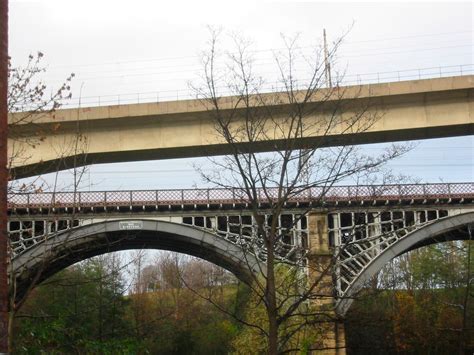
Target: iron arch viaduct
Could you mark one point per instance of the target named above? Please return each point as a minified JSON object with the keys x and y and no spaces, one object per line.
{"x":363,"y":231}
{"x":355,"y":229}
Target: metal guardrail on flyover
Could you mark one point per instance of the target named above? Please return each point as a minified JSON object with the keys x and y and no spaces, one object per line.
{"x":187,"y":94}
{"x":235,"y":196}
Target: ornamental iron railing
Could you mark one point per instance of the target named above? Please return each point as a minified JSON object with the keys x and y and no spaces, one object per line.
{"x":323,"y":194}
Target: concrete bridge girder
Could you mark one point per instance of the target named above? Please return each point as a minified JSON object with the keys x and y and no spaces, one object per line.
{"x":407,"y":110}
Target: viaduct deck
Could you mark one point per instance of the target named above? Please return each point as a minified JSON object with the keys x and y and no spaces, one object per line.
{"x":416,"y":109}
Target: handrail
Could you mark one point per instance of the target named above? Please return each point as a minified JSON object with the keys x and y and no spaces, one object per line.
{"x":235,"y":195}
{"x":187,"y":94}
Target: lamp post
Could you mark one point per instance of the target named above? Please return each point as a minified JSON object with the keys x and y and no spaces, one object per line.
{"x":3,"y":176}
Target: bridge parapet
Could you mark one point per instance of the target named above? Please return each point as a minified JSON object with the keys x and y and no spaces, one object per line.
{"x":203,"y":198}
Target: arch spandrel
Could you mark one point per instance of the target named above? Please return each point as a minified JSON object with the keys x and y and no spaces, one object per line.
{"x":71,"y":246}
{"x":448,"y":228}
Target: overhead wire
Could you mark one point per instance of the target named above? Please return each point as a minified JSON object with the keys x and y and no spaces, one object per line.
{"x":187,"y":68}
{"x":174,"y":65}
{"x":133,"y":79}
{"x":264,"y":50}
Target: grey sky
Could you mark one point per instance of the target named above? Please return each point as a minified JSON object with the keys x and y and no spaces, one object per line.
{"x":124,"y":47}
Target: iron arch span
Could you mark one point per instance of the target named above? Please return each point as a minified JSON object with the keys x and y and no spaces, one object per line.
{"x":449,"y":228}
{"x":66,"y":248}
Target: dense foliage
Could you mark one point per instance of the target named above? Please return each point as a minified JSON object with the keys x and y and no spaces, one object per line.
{"x":419,"y":304}
{"x":87,"y":309}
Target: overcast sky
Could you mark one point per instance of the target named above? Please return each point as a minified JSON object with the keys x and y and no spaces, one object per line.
{"x":153,"y":47}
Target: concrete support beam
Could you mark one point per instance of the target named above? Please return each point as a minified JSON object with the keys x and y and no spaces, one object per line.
{"x":404,"y":110}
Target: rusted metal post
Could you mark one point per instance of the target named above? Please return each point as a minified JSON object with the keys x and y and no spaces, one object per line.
{"x":3,"y":176}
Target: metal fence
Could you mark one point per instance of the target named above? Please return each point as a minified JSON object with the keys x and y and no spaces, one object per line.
{"x":355,"y":79}
{"x":235,"y":196}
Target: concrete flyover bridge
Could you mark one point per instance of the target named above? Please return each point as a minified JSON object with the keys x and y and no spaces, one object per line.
{"x":406,"y":110}
{"x":360,"y":227}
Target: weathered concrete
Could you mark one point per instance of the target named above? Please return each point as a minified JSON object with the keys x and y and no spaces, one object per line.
{"x":391,"y":112}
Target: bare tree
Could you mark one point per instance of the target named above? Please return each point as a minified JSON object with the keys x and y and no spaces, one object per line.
{"x":285,"y":118}
{"x":29,"y":99}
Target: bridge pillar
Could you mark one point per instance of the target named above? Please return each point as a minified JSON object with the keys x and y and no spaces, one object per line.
{"x":320,"y":272}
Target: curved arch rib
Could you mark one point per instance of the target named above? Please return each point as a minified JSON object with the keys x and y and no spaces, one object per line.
{"x":71,"y":246}
{"x":428,"y":234}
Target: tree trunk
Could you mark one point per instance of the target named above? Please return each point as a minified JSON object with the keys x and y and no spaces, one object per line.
{"x":271,"y":303}
{"x":11,"y":318}
{"x":272,"y":334}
